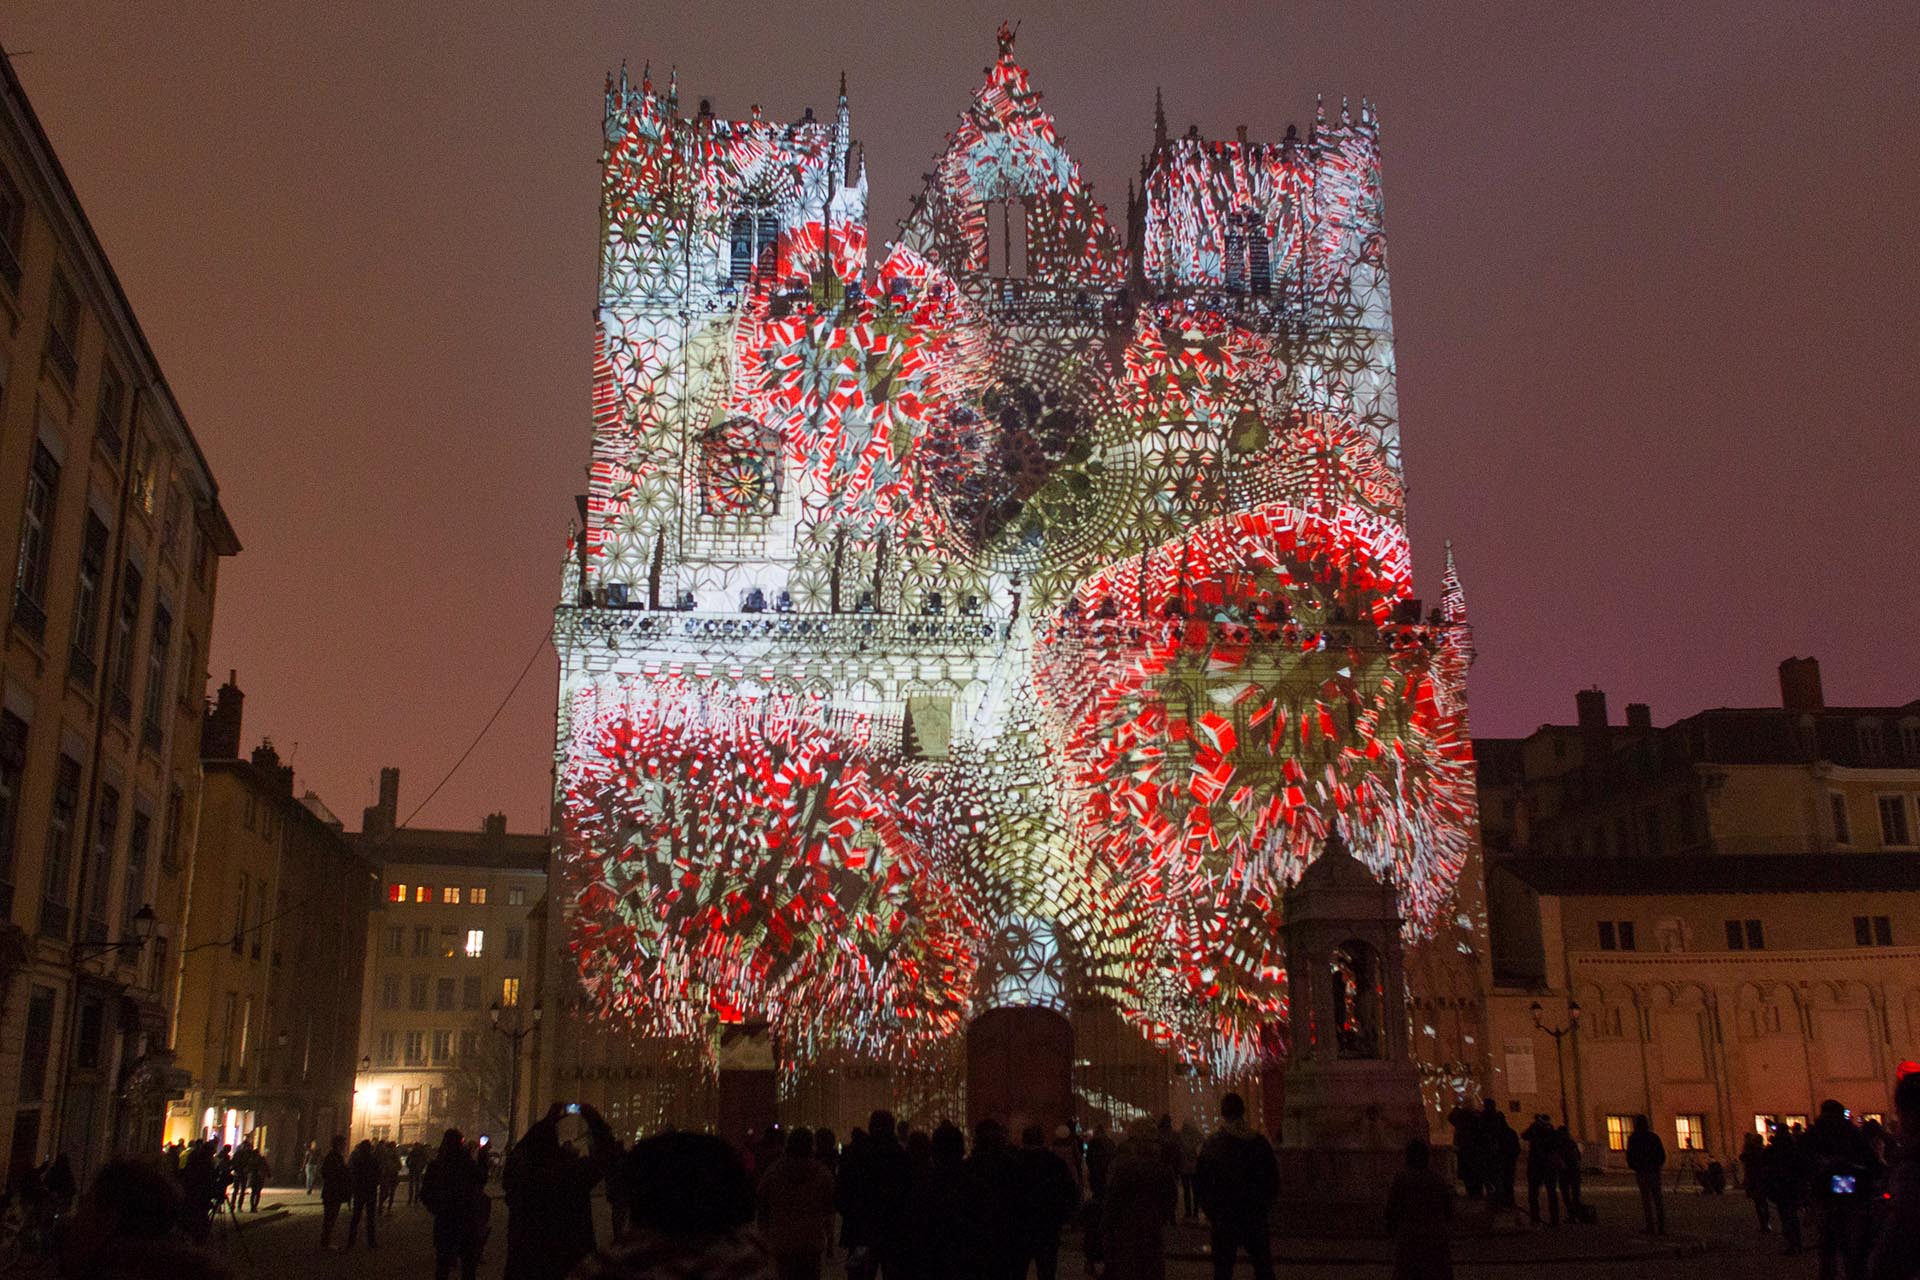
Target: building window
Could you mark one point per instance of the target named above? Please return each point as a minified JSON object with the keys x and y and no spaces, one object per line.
{"x":85,"y":631}
{"x":13,"y":226}
{"x":410,"y":1098}
{"x":516,"y":896}
{"x":1618,"y":1128}
{"x":516,"y":943}
{"x":422,"y":893}
{"x":417,"y":991}
{"x":63,"y":329}
{"x":139,"y":838}
{"x":1872,"y":931}
{"x":416,"y":1055}
{"x":1893,"y":821}
{"x":422,"y":941}
{"x":1690,"y":1133}
{"x":442,"y":1047}
{"x":36,"y":544}
{"x":449,"y":942}
{"x":1837,"y":807}
{"x":509,"y":992}
{"x":55,"y":884}
{"x":395,"y":942}
{"x":476,"y":943}
{"x":108,"y":411}
{"x":396,"y":893}
{"x":1616,"y":935}
{"x":477,"y":896}
{"x":1745,"y":935}
{"x":126,"y":625}
{"x":436,"y":1099}
{"x":106,"y":826}
{"x":443,"y":995}
{"x":388,"y":1052}
{"x":170,"y":836}
{"x":752,"y":246}
{"x":450,"y":896}
{"x":390,"y":991}
{"x":470,"y":992}
{"x":1872,"y":739}
{"x":383,"y":1096}
{"x":1910,"y":742}
{"x":13,"y":763}
{"x":469,"y":1043}
{"x":156,"y":699}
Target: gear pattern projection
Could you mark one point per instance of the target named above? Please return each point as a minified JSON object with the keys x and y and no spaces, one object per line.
{"x":1008,"y":622}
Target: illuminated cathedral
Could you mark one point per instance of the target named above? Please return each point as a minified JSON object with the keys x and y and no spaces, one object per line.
{"x":1000,"y":620}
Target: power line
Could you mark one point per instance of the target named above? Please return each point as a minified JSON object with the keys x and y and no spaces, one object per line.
{"x":546,"y":637}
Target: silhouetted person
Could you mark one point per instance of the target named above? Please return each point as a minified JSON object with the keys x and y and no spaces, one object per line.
{"x":1543,"y":1169}
{"x":1896,"y":1254}
{"x":129,"y":1226}
{"x":1191,"y":1140}
{"x":1570,"y":1173}
{"x":1419,"y":1207}
{"x":1100,"y":1157}
{"x":1845,"y":1175}
{"x":1133,"y":1211}
{"x":1048,"y":1196}
{"x":938,"y":1234}
{"x":875,"y":1178}
{"x":549,"y":1193}
{"x":1237,"y":1177}
{"x":693,"y":1207}
{"x":1647,"y":1156}
{"x":363,"y":1173}
{"x":59,"y":1184}
{"x":336,"y":1188}
{"x":310,"y":1166}
{"x":1467,"y":1154}
{"x":456,"y":1195}
{"x":198,"y":1192}
{"x":258,"y":1171}
{"x":796,"y":1210}
{"x":619,"y":1196}
{"x":1502,"y":1153}
{"x":1786,"y":1184}
{"x":995,"y":1198}
{"x":826,"y":1149}
{"x":1753,"y":1177}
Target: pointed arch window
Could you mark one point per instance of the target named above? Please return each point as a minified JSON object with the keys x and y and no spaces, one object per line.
{"x":1006,"y":231}
{"x":1249,"y":254}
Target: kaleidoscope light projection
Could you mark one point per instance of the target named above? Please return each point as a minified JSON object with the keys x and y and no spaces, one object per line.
{"x":1008,"y":623}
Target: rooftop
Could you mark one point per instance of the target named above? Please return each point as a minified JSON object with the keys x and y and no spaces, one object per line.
{"x":1666,"y":876}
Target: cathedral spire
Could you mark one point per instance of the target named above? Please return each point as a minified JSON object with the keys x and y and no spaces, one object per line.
{"x":1453,"y":597}
{"x":1159,"y":118}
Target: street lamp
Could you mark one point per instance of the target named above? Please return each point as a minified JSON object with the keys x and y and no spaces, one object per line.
{"x":143,"y":924}
{"x":1558,"y":1033}
{"x":514,"y":1037}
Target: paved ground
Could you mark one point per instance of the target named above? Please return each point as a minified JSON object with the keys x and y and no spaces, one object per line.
{"x":1710,"y":1237}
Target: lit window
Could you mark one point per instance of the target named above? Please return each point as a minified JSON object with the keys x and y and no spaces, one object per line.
{"x":396,"y":893}
{"x":476,"y":943}
{"x":450,"y":896}
{"x":516,"y":897}
{"x":1690,"y":1133}
{"x":422,"y":893}
{"x":509,"y":992}
{"x":1618,"y":1127}
{"x":477,"y":896}
{"x":383,"y":1097}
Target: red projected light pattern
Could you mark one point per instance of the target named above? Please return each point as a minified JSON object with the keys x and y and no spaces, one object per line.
{"x":1010,"y":623}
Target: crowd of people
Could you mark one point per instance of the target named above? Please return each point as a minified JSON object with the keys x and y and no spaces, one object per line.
{"x":900,"y":1203}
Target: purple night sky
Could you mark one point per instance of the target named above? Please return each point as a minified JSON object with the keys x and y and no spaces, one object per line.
{"x":1656,"y":269}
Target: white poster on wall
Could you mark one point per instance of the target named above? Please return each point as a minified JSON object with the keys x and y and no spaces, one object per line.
{"x":1520,"y":1074}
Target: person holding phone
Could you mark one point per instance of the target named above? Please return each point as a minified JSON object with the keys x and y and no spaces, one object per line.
{"x":549,"y":1192}
{"x":1846,"y":1174}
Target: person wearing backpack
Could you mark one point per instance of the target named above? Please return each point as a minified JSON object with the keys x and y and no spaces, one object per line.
{"x":1236,"y":1177}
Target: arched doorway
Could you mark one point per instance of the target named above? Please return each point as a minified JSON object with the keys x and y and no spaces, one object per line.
{"x":1020,"y":1068}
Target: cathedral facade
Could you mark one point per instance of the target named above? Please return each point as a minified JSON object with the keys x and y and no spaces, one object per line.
{"x":994,"y":623}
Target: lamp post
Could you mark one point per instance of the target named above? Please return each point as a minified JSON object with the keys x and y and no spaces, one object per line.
{"x":1559,"y":1058}
{"x":514,"y":1036}
{"x":143,"y":923}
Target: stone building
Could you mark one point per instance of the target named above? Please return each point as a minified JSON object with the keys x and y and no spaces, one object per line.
{"x":1730,"y":900}
{"x":117,"y":535}
{"x":449,"y":976}
{"x":275,"y":937}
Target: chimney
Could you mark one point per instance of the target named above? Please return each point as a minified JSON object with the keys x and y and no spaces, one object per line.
{"x":220,"y":729}
{"x":495,"y":828}
{"x":1592,"y":704}
{"x":1639,"y":716}
{"x":1800,"y":686}
{"x":379,"y":819}
{"x":267,"y":761}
